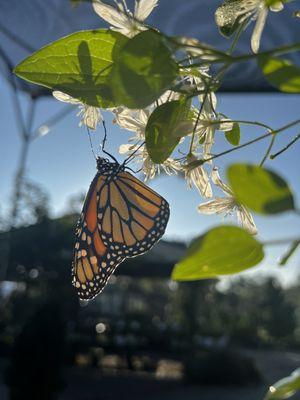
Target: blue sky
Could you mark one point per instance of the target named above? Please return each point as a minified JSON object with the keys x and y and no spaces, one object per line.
{"x":63,"y":164}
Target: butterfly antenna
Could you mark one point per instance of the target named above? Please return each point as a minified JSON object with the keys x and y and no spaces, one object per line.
{"x":104,"y":141}
{"x":132,"y":154}
{"x":91,"y":143}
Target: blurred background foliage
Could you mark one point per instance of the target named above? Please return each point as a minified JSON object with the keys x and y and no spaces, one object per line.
{"x":197,"y":332}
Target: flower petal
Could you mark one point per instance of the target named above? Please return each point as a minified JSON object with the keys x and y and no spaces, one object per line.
{"x":143,"y":8}
{"x":65,"y":97}
{"x":90,"y":117}
{"x":246,"y":220}
{"x":132,"y":121}
{"x":225,"y":126}
{"x":258,"y":29}
{"x":215,"y":177}
{"x":199,"y":177}
{"x":171,"y":166}
{"x":217,"y":206}
{"x":115,"y":17}
{"x":208,"y":142}
{"x":169,"y":95}
{"x":210,"y":103}
{"x":127,"y":148}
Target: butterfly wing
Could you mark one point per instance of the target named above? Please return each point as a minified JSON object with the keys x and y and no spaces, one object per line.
{"x":92,"y":262}
{"x":132,"y":217}
{"x":121,"y":218}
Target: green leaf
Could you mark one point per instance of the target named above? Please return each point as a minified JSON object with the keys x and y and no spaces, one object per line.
{"x":144,"y":69}
{"x":281,"y":73}
{"x":229,"y":16}
{"x":234,"y":136}
{"x":223,"y":250}
{"x":166,"y":125}
{"x":285,"y":388}
{"x":293,"y":247}
{"x":260,"y":189}
{"x":78,"y":64}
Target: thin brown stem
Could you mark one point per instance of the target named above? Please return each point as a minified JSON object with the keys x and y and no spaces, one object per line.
{"x":269,"y":149}
{"x":197,"y":163}
{"x":286,"y":147}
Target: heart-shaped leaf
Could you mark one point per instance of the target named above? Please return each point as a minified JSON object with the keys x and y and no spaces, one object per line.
{"x":223,"y":250}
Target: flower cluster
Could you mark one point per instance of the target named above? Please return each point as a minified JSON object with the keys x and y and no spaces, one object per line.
{"x":245,"y":11}
{"x":200,"y":130}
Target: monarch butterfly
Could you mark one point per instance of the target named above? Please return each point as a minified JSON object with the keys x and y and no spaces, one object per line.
{"x":121,"y":218}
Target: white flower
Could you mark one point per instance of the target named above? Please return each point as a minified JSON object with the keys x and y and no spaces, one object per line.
{"x":198,"y":177}
{"x":260,"y":14}
{"x":136,"y":121}
{"x":208,"y":123}
{"x":241,"y":10}
{"x":197,"y":49}
{"x":139,"y":153}
{"x":169,"y":95}
{"x":90,"y":116}
{"x":227,"y":205}
{"x":123,"y":20}
{"x":195,"y":79}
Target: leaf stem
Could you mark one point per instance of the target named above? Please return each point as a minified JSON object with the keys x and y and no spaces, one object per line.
{"x":256,"y":123}
{"x":245,"y":57}
{"x":197,"y":120}
{"x":197,"y":163}
{"x":286,"y":147}
{"x":292,"y":249}
{"x":237,"y":36}
{"x":268,"y":150}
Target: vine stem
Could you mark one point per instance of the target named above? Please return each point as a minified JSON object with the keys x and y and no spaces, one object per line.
{"x":245,"y":57}
{"x":198,"y":163}
{"x":238,"y":121}
{"x":269,"y":149}
{"x":237,"y":36}
{"x":286,"y":147}
{"x":217,"y":77}
{"x":197,"y":120}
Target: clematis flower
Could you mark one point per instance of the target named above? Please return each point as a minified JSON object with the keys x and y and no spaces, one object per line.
{"x":260,"y":14}
{"x":136,"y":122}
{"x":241,"y":10}
{"x":227,"y":205}
{"x":208,"y":124}
{"x":123,"y":20}
{"x":199,"y":178}
{"x":89,"y":115}
{"x":139,"y":153}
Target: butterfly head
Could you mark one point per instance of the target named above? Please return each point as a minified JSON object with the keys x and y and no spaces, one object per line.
{"x":106,"y":167}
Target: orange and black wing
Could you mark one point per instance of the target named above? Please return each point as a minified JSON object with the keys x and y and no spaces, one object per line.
{"x":93,"y":262}
{"x":131,"y":216}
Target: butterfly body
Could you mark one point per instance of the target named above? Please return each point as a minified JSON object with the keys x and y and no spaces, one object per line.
{"x":121,"y":218}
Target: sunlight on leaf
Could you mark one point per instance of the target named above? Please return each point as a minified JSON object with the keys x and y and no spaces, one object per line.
{"x":78,"y":64}
{"x":166,"y":125}
{"x":144,"y":69}
{"x":284,"y":388}
{"x":223,"y":250}
{"x":282,"y":74}
{"x":272,"y":3}
{"x":234,"y":136}
{"x":260,"y":189}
